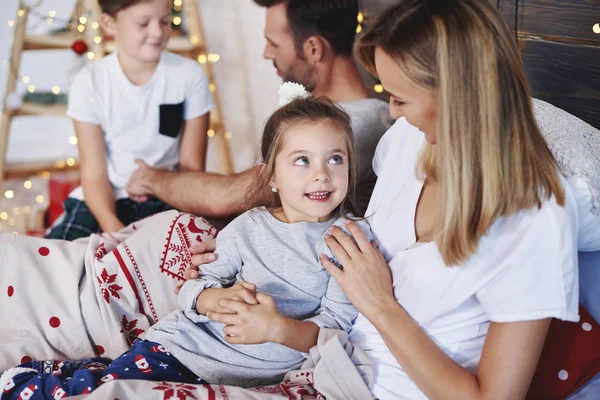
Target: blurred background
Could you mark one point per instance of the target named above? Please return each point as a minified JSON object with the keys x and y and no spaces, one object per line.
{"x":559,"y":41}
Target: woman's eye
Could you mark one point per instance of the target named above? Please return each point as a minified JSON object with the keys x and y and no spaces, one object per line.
{"x":398,"y":103}
{"x":336,"y":160}
{"x":301,"y":161}
{"x":165,"y":23}
{"x":143,"y":25}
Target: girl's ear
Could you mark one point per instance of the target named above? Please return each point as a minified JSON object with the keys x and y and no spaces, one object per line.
{"x":108,"y":24}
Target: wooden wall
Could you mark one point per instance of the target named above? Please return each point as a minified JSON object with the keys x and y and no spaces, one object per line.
{"x":561,"y":52}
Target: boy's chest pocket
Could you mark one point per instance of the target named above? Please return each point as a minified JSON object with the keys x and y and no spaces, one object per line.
{"x":170,"y":119}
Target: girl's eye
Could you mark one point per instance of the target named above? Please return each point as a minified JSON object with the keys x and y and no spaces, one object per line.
{"x":301,"y":161}
{"x":165,"y":22}
{"x":336,"y":160}
{"x":143,"y":25}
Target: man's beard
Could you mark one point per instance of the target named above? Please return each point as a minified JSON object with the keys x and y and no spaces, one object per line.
{"x":299,"y":72}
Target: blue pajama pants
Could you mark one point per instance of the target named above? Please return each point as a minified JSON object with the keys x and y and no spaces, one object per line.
{"x":57,"y":379}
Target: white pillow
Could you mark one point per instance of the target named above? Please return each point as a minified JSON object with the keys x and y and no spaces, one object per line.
{"x":575,"y":145}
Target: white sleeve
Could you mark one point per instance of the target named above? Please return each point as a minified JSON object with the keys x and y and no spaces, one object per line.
{"x":386,"y":142}
{"x":198,"y":98}
{"x":532,"y":260}
{"x":82,"y":101}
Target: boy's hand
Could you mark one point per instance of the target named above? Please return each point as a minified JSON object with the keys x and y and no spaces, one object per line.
{"x":208,"y":300}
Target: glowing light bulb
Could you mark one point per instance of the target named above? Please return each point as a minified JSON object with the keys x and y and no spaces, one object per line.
{"x":90,"y":55}
{"x":83,"y":20}
{"x":596,"y":29}
{"x":11,"y":23}
{"x":80,"y":28}
{"x":210,"y":133}
{"x":31,"y":88}
{"x":73,"y":140}
{"x":39,"y":198}
{"x":70,"y":162}
{"x":360,"y":18}
{"x":359,"y":29}
{"x":9,"y":194}
{"x":176,"y":20}
{"x":97,"y":40}
{"x":52,"y":13}
{"x":56,"y":89}
{"x":228,"y":135}
{"x":378,"y":88}
{"x":25,"y":79}
{"x":27,"y":184}
{"x":202,"y":59}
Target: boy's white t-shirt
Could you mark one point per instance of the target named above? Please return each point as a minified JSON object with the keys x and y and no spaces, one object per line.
{"x":139,"y":121}
{"x":525,"y":268}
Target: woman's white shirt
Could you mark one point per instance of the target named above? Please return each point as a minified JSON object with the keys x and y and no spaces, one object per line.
{"x":525,"y":268}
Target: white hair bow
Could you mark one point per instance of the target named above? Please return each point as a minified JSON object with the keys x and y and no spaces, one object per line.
{"x":289,"y":91}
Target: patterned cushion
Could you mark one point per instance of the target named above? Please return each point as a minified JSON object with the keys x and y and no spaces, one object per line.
{"x":576,"y":148}
{"x":570,"y":358}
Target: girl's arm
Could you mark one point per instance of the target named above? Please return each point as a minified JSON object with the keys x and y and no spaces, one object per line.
{"x":511,"y":350}
{"x":192,"y":155}
{"x":261,"y":323}
{"x":97,"y":190}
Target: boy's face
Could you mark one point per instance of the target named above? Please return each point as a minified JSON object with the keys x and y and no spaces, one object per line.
{"x":142,"y":30}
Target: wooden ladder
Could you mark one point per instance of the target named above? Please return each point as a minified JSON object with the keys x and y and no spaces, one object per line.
{"x":192,"y":44}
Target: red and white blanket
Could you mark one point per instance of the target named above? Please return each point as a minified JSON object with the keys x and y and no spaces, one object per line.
{"x":92,"y":297}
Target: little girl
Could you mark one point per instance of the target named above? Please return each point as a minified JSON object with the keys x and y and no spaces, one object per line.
{"x":268,"y":288}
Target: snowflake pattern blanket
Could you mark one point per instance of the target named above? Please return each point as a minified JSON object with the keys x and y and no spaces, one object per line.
{"x":95,"y":296}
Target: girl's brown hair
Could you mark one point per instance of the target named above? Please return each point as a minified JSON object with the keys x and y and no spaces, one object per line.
{"x":302,"y":110}
{"x":112,"y":7}
{"x":490,"y":158}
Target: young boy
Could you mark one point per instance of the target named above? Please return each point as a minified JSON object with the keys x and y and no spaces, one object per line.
{"x":141,"y":102}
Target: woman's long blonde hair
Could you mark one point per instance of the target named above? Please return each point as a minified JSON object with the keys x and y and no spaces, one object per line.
{"x":490,"y":158}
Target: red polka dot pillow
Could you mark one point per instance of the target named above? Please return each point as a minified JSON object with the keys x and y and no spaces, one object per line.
{"x":570,"y":358}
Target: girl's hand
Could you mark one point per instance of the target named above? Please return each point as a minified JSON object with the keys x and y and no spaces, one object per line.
{"x":209,"y":299}
{"x":366,"y":278}
{"x":251,"y":324}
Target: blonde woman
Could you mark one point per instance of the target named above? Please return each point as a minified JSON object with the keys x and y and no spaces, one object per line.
{"x":475,"y":227}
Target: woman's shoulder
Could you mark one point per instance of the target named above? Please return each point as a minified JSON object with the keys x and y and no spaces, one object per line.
{"x":550,"y":224}
{"x":401,"y":143}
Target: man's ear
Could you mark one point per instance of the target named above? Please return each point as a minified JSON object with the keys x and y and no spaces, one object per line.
{"x":108,"y":24}
{"x":314,"y":48}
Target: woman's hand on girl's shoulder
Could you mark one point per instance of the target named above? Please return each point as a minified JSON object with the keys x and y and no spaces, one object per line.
{"x":365,"y":278}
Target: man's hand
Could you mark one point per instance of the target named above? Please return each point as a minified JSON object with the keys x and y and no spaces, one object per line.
{"x":137,"y":185}
{"x":202,"y":253}
{"x":208,"y":300}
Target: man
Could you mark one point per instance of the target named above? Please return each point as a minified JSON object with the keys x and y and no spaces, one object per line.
{"x":310,"y":42}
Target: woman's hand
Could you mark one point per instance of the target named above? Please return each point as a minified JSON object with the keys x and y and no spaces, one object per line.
{"x":250,"y":324}
{"x":366,"y":278}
